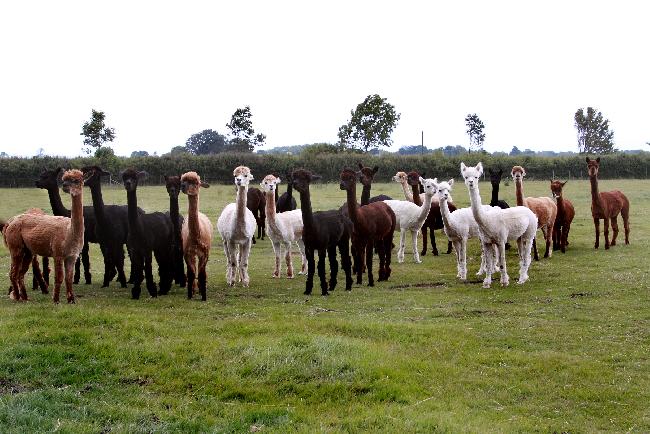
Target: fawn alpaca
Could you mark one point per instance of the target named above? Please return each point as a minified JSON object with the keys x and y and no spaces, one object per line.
{"x":607,"y":205}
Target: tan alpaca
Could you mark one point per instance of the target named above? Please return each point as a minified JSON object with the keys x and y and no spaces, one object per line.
{"x":58,"y":237}
{"x":196,"y":234}
{"x":543,"y":207}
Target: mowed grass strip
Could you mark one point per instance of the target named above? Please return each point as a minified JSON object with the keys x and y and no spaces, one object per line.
{"x":567,"y":351}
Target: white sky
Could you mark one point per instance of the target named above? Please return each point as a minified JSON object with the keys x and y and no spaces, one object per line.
{"x":164,"y":70}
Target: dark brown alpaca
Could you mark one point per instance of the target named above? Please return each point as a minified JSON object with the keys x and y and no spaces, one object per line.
{"x":565,"y":214}
{"x":434,"y":218}
{"x":256,"y":202}
{"x":607,"y":205}
{"x":366,"y":176}
{"x":374,"y":224}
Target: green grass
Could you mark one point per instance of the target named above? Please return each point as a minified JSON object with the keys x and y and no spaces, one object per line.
{"x":567,"y":351}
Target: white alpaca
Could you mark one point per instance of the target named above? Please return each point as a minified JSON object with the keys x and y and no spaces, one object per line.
{"x":410,"y":217}
{"x":282,"y":228}
{"x":236,"y":225}
{"x":496,"y":226}
{"x":460,"y":226}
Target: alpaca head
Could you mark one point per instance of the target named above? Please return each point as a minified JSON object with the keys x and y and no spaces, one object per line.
{"x":444,"y":189}
{"x":471,"y":175}
{"x":556,"y":188}
{"x":593,"y":166}
{"x":131,"y":177}
{"x":93,"y":175}
{"x":495,"y":176}
{"x":367,"y":174}
{"x":73,"y":182}
{"x":430,"y":186}
{"x":413,"y":178}
{"x":191,"y":183}
{"x":269,"y":184}
{"x":301,"y":179}
{"x":518,"y":173}
{"x":49,"y":179}
{"x":400,"y":177}
{"x":242,"y":176}
{"x":348,"y":179}
{"x":173,"y":185}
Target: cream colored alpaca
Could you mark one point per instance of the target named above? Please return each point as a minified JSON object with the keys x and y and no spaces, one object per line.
{"x":282,"y":228}
{"x":544,"y":208}
{"x":196,"y":234}
{"x":236,"y":225}
{"x":496,"y":226}
{"x":410,"y":217}
{"x":61,"y":238}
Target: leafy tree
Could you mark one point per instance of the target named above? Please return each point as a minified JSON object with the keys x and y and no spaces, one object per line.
{"x":515,"y":151}
{"x":95,"y":132}
{"x":3,"y":154}
{"x":135,"y":154}
{"x":594,"y":136}
{"x":243,"y":137}
{"x":475,"y":132}
{"x":178,"y":150}
{"x":414,"y":150}
{"x":370,"y":125}
{"x":205,"y":142}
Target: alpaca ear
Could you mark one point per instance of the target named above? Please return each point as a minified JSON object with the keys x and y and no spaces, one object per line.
{"x":360,"y":165}
{"x":375,"y":169}
{"x":500,"y":172}
{"x":564,"y":183}
{"x":479,"y":168}
{"x":523,"y":172}
{"x":205,"y":184}
{"x":277,"y":180}
{"x":462,"y":167}
{"x":423,"y":174}
{"x":451,"y":182}
{"x":142,"y":174}
{"x":597,"y":159}
{"x":88,"y":175}
{"x":58,"y":170}
{"x":421,"y":180}
{"x":250,"y":177}
{"x":166,"y":178}
{"x":587,"y":159}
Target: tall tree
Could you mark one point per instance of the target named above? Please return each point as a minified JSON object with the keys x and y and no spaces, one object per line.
{"x":206,"y":142}
{"x":95,"y":132}
{"x":594,"y":135}
{"x":370,"y":125}
{"x":243,"y":137}
{"x":475,"y":132}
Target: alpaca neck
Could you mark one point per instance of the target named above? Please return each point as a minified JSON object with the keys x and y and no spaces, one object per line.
{"x":444,"y":211}
{"x":425,"y":208}
{"x":275,"y":195}
{"x":77,"y":218}
{"x":289,"y":190}
{"x":494,"y":201}
{"x":193,"y":226}
{"x":595,"y":195}
{"x":416,"y":195}
{"x":271,"y":219}
{"x":174,"y":212}
{"x":132,"y":205}
{"x":407,"y":193}
{"x":305,"y":210}
{"x":365,"y":195}
{"x":240,"y":201}
{"x":519,"y":190}
{"x":353,"y":206}
{"x":98,"y":204}
{"x":475,"y":199}
{"x":55,"y":201}
{"x":560,"y":206}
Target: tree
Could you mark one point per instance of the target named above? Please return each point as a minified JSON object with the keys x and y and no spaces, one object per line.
{"x":370,"y":125}
{"x":243,"y":137}
{"x":594,"y":136}
{"x":475,"y":132}
{"x":3,"y":154}
{"x":95,"y":132}
{"x":136,"y":154}
{"x":205,"y":142}
{"x":515,"y":151}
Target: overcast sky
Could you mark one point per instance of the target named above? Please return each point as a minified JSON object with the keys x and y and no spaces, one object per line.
{"x":162,"y":70}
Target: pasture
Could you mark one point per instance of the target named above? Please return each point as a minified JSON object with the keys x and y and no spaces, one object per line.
{"x":566,"y":352}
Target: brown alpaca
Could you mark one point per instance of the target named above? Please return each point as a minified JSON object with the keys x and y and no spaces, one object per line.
{"x":61,"y":238}
{"x":256,"y":202}
{"x":196,"y":234}
{"x":565,"y":214}
{"x":607,"y":205}
{"x":374,"y":224}
{"x":543,"y":207}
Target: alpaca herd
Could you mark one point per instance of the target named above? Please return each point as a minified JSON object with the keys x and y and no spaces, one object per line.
{"x":355,"y":231}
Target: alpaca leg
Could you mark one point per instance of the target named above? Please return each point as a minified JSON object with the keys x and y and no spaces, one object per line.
{"x":557,"y":237}
{"x":85,"y":260}
{"x":388,"y":251}
{"x":483,"y":266}
{"x":58,"y":278}
{"x":190,"y":261}
{"x":203,"y":277}
{"x":434,"y":247}
{"x":321,"y":271}
{"x":231,"y":254}
{"x":148,"y":275}
{"x":287,"y":258}
{"x":597,"y":227}
{"x":301,"y":248}
{"x":625,"y":213}
{"x":402,"y":246}
{"x":564,"y":238}
{"x":382,"y":260}
{"x":46,"y":272}
{"x":334,"y":266}
{"x":487,"y":281}
{"x":525,"y":246}
{"x":505,"y":279}
{"x":448,"y":246}
{"x":547,"y":237}
{"x":118,"y":263}
{"x":24,"y":268}
{"x":137,"y":274}
{"x":535,"y":248}
{"x":606,"y":232}
{"x":614,"y":230}
{"x":180,"y":267}
{"x":414,"y":240}
{"x":14,"y":275}
{"x":165,"y":272}
{"x":424,"y":241}
{"x":369,"y":250}
{"x":311,"y":268}
{"x":457,"y":249}
{"x":244,"y":253}
{"x":38,"y":276}
{"x":277,"y":250}
{"x":361,"y":256}
{"x":69,"y":265}
{"x":77,"y":270}
{"x":346,"y":263}
{"x":463,"y":259}
{"x":108,"y":264}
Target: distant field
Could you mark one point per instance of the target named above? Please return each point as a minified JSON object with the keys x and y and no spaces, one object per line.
{"x":566,"y":352}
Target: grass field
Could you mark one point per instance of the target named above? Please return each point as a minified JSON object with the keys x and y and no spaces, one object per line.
{"x":566,"y":352}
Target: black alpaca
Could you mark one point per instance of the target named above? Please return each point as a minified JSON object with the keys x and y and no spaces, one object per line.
{"x":48,"y":180}
{"x":324,"y":231}
{"x":148,"y":233}
{"x":495,"y":179}
{"x":173,"y":185}
{"x":111,"y":229}
{"x":256,"y":202}
{"x":286,"y":202}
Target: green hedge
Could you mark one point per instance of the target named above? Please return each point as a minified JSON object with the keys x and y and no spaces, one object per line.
{"x":20,"y":172}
